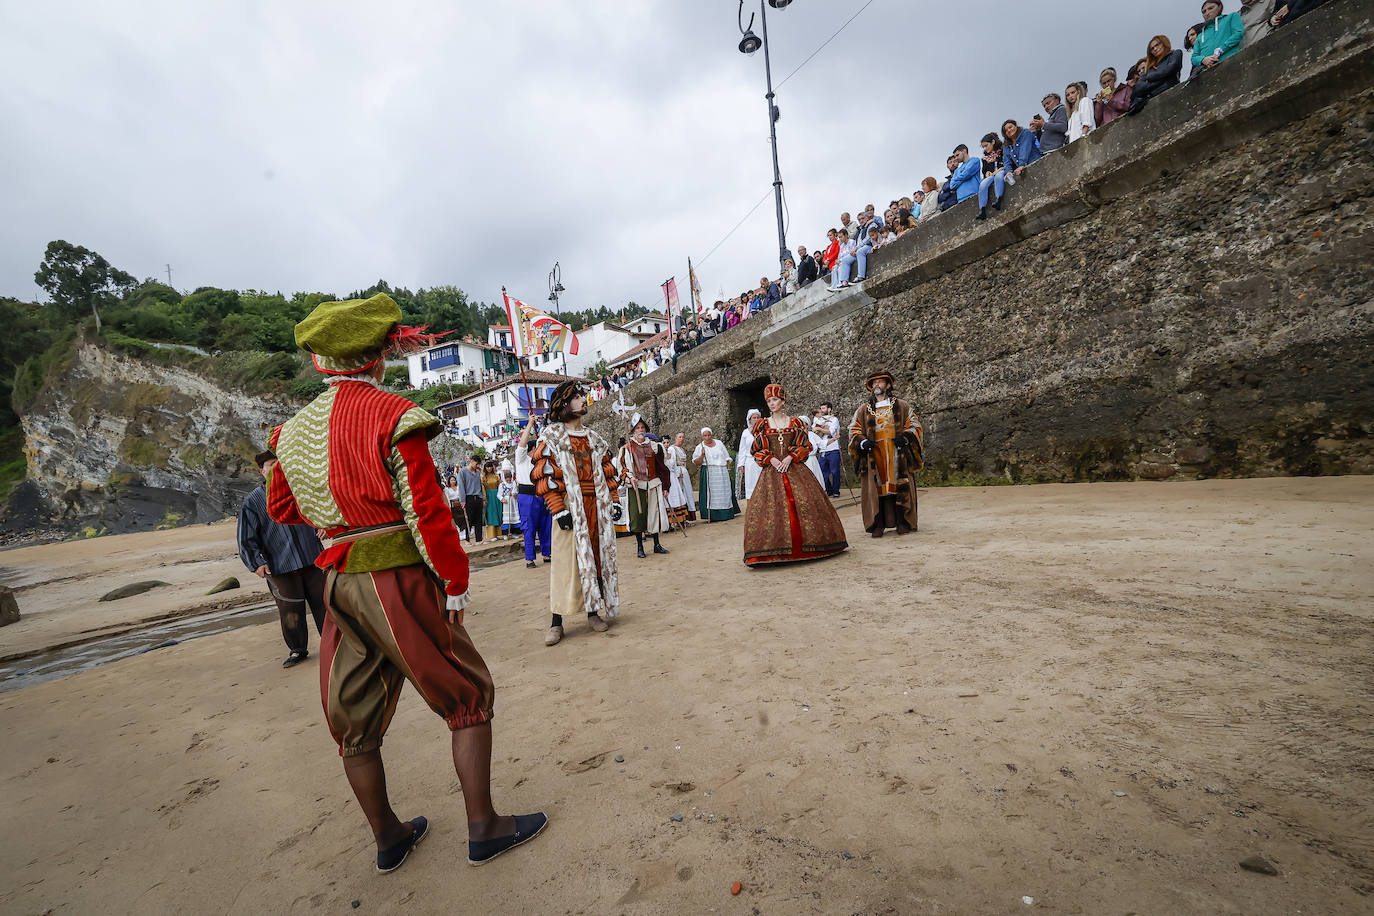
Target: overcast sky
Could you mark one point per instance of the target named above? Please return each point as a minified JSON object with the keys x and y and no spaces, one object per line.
{"x":293,"y":145}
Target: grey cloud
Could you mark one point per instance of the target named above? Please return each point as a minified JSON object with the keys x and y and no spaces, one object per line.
{"x":321,"y":146}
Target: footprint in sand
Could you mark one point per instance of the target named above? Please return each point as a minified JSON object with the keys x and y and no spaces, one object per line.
{"x":583,"y":766}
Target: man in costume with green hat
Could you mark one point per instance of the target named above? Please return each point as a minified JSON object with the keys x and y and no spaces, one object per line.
{"x":355,"y":464}
{"x":885,"y":440}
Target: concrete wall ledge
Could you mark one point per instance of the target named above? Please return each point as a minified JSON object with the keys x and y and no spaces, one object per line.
{"x":1320,"y":59}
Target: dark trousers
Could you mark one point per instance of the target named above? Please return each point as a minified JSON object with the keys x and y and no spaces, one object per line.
{"x":294,"y":591}
{"x":830,"y":470}
{"x":536,"y":523}
{"x":476,"y":517}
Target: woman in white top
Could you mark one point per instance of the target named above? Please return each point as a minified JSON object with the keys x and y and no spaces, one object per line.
{"x":454,"y":494}
{"x":747,"y":471}
{"x":1080,"y":107}
{"x":813,"y":463}
{"x":931,"y":204}
{"x":717,"y":500}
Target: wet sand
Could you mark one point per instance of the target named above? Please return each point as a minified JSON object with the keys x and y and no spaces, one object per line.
{"x":1099,"y":696}
{"x":58,"y":586}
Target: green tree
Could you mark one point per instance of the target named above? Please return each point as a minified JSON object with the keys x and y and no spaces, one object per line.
{"x":445,"y":309}
{"x":202,"y":312}
{"x":78,"y":279}
{"x":237,"y":332}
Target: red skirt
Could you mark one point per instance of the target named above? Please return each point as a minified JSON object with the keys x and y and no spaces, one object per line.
{"x":790,"y":518}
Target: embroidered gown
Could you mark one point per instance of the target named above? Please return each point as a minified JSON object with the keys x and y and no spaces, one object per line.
{"x":789,"y":516}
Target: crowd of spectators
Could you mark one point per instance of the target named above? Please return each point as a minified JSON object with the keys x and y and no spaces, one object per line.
{"x":1004,"y":155}
{"x":1067,"y":117}
{"x":608,"y":383}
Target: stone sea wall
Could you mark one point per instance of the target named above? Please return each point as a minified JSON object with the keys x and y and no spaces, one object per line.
{"x":1185,"y":293}
{"x":122,"y":444}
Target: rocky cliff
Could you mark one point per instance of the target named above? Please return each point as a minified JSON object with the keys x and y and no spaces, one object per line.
{"x":122,"y":444}
{"x":1184,"y":293}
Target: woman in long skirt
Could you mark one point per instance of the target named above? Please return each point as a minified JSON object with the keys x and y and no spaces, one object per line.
{"x":491,"y":483}
{"x":677,"y":495}
{"x":746,"y":469}
{"x":789,"y":517}
{"x":510,"y":509}
{"x":717,"y":500}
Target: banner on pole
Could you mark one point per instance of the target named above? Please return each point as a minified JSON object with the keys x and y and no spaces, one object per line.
{"x":670,"y":297}
{"x":515,"y":318}
{"x":535,"y":332}
{"x":696,"y":287}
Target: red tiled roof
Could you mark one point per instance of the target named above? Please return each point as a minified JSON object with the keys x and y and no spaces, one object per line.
{"x":656,"y":340}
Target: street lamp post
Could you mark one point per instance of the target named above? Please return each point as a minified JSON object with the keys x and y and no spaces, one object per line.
{"x":555,"y":289}
{"x":748,"y":44}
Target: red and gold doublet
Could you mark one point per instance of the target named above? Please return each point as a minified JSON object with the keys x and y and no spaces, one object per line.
{"x":356,"y":458}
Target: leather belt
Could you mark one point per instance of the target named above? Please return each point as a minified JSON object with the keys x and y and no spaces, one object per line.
{"x":358,"y":534}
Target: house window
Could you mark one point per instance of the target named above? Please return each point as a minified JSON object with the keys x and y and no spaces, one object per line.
{"x":491,"y":400}
{"x":424,"y":364}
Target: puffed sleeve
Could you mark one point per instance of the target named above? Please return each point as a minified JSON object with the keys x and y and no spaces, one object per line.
{"x":801,"y":442}
{"x":281,"y":502}
{"x":547,"y":477}
{"x":759,"y":450}
{"x":427,"y":514}
{"x":608,"y":469}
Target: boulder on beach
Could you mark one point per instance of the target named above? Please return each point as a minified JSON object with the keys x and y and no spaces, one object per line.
{"x":133,"y":588}
{"x":9,"y":608}
{"x":224,"y":586}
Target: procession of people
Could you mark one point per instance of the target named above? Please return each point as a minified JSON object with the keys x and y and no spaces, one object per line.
{"x":355,"y":522}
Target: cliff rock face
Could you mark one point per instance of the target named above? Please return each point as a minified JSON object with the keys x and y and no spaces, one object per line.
{"x":127,"y":445}
{"x":1184,"y":293}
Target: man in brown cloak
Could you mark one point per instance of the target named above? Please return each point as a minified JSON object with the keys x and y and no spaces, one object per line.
{"x":885,"y":440}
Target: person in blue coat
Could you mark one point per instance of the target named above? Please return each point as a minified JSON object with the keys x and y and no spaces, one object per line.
{"x":1220,"y":37}
{"x":1019,"y":150}
{"x":967,"y":173}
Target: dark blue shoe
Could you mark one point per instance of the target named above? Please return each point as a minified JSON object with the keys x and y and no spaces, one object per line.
{"x":389,"y":860}
{"x":527,"y":827}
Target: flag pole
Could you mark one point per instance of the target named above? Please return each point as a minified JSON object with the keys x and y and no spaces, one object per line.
{"x":519,"y":360}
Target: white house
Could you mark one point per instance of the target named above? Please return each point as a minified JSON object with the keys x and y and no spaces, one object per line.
{"x":601,"y":341}
{"x":460,"y":362}
{"x":647,"y":324}
{"x":499,"y":335}
{"x":501,"y":406}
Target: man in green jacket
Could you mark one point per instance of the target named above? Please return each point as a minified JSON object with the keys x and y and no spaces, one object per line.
{"x":1220,"y":38}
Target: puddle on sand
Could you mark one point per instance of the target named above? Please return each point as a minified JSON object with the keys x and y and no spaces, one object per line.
{"x":55,"y":663}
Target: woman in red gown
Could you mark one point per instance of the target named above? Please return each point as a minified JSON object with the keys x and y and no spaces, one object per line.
{"x":789,"y":517}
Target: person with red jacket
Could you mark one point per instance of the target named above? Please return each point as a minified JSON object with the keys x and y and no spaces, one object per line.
{"x":831,"y":256}
{"x":355,"y":464}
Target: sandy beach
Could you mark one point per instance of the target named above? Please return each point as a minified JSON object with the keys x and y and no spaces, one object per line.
{"x":1100,"y":698}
